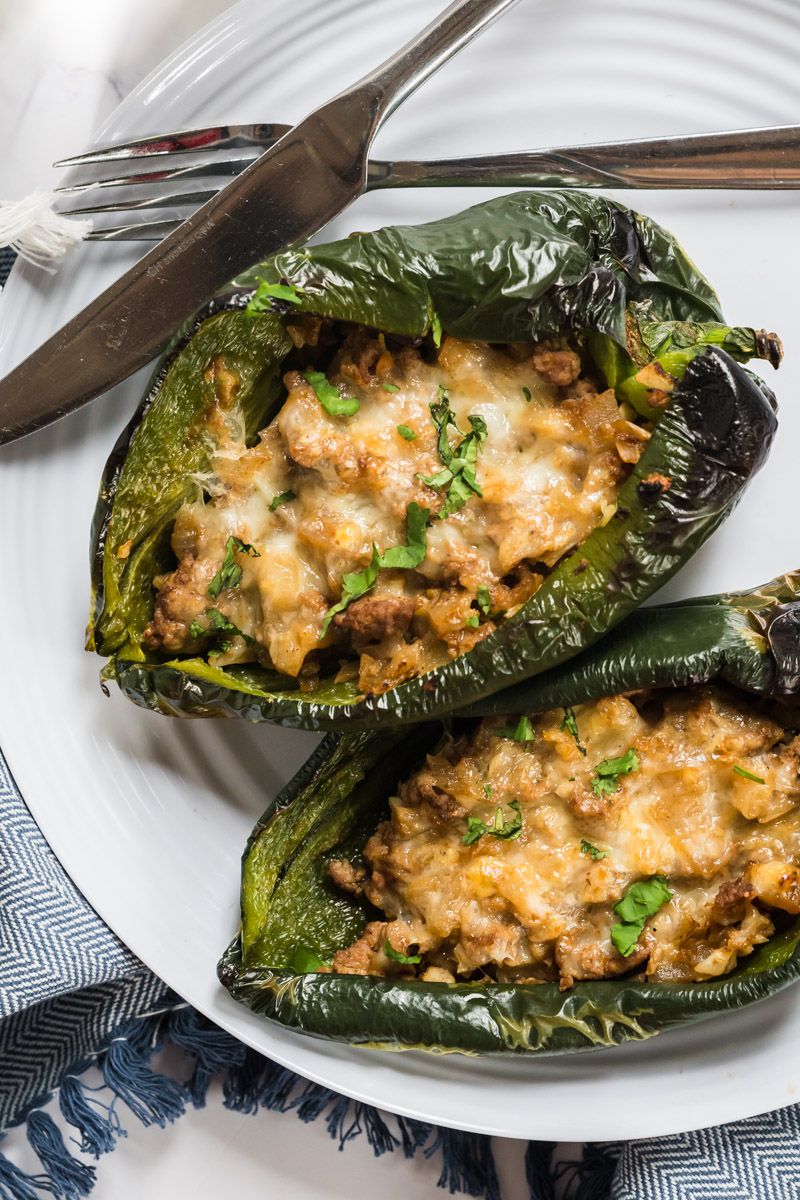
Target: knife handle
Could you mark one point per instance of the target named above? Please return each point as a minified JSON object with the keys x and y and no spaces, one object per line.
{"x":396,"y":78}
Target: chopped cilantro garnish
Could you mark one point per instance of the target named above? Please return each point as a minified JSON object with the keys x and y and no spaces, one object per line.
{"x":354,"y":585}
{"x":443,"y":416}
{"x":745,"y":774}
{"x":283,"y":498}
{"x":458,"y":475}
{"x":508,"y":831}
{"x":642,"y":900}
{"x":406,"y":433}
{"x":357,"y":583}
{"x":607,"y":773}
{"x":396,"y":956}
{"x":571,"y":725}
{"x":230,"y":573}
{"x":221,"y":624}
{"x":411,"y":555}
{"x":218,"y":623}
{"x":265,"y":293}
{"x":526,"y":391}
{"x":487,"y":789}
{"x":439,"y":480}
{"x":592,"y":851}
{"x":332,"y":401}
{"x":473,"y":621}
{"x":484,"y":600}
{"x":523,"y":731}
{"x":391,"y":387}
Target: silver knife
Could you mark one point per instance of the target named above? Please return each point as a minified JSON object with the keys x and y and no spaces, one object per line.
{"x":291,"y":192}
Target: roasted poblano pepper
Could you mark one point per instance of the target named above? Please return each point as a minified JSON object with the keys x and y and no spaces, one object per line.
{"x":294,"y":919}
{"x":569,"y":263}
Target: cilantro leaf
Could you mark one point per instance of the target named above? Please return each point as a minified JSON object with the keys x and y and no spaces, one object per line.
{"x":507,"y":831}
{"x":625,"y":938}
{"x":396,"y":956}
{"x":480,"y":430}
{"x":607,"y":773}
{"x":642,"y":899}
{"x":221,"y":624}
{"x":458,"y":475}
{"x":230,"y":573}
{"x":283,"y":498}
{"x":592,"y":851}
{"x":412,"y":554}
{"x":218,"y":623}
{"x":354,"y":585}
{"x":475,"y":829}
{"x":443,"y":416}
{"x":484,"y":600}
{"x":523,"y":731}
{"x":406,"y":433}
{"x":261,"y":300}
{"x":440,"y":480}
{"x":335,"y":405}
{"x":571,"y":725}
{"x":748,"y":774}
{"x":357,"y":583}
{"x":459,"y":492}
{"x":473,"y":620}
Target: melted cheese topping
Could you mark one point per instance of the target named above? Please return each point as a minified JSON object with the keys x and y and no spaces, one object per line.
{"x":540,"y":907}
{"x":548,"y":471}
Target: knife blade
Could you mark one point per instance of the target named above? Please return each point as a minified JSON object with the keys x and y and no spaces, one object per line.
{"x":289,"y":193}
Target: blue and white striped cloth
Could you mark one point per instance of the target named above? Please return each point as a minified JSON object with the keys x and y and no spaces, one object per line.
{"x":73,"y":997}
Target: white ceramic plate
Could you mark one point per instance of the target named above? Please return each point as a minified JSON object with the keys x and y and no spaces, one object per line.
{"x":149,"y":815}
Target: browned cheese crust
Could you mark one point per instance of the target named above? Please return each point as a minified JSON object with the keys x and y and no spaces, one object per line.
{"x":711,"y":806}
{"x":556,"y":451}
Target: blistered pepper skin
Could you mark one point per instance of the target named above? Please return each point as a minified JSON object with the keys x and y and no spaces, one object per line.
{"x":751,"y":641}
{"x":518,"y":268}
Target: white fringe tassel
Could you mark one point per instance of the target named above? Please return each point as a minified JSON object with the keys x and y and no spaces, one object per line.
{"x":37,"y":232}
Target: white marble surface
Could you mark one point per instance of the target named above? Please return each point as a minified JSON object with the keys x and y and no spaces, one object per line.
{"x":65,"y":67}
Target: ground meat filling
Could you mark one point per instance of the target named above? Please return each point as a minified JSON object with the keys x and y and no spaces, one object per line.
{"x":514,"y":452}
{"x":373,"y":618}
{"x":696,"y":789}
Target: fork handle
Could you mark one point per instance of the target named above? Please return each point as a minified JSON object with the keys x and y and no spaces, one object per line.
{"x":396,"y":78}
{"x":746,"y":158}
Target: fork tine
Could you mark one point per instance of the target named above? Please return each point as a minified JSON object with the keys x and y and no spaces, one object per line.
{"x":145,"y":231}
{"x":186,"y":141}
{"x":216,"y":166}
{"x":167,"y":200}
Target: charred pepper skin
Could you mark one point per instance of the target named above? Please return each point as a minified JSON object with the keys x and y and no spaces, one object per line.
{"x":334,"y":803}
{"x":571,"y":262}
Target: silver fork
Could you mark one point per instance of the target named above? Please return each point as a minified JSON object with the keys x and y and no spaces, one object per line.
{"x":766,"y":158}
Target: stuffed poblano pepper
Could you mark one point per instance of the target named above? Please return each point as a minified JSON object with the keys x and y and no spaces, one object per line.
{"x":613,"y":853}
{"x":381,"y":479}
